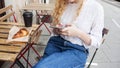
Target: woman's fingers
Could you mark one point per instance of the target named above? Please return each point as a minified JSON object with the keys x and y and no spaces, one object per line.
{"x":65,"y":31}
{"x":66,"y":34}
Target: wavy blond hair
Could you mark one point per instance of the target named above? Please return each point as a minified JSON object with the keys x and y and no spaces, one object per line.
{"x":59,"y":9}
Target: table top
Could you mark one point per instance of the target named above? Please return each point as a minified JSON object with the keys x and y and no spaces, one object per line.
{"x":9,"y":51}
{"x":37,"y":6}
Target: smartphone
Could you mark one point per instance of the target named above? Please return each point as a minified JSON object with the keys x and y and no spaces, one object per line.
{"x":56,"y":27}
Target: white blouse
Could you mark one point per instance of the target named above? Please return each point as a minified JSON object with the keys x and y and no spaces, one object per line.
{"x":90,"y":20}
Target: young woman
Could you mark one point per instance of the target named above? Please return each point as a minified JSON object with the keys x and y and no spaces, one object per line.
{"x":83,"y":21}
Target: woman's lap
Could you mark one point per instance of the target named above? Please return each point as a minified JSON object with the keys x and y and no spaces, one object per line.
{"x":59,"y":55}
{"x":66,"y":59}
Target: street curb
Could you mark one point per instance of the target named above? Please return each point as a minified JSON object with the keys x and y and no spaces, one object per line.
{"x":115,"y":3}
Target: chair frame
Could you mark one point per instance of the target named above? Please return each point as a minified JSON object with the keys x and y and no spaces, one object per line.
{"x":29,"y":45}
{"x":3,"y":18}
{"x":104,"y":32}
{"x":44,"y":21}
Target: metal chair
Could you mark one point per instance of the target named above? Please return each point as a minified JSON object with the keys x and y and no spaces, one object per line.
{"x":7,"y":15}
{"x":104,"y":32}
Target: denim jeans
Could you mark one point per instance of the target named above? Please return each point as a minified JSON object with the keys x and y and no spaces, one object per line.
{"x":60,"y":53}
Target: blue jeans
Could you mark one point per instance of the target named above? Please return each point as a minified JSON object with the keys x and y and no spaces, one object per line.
{"x":60,"y":53}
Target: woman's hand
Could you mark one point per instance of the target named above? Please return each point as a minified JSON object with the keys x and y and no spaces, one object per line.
{"x":70,"y":30}
{"x":56,"y":31}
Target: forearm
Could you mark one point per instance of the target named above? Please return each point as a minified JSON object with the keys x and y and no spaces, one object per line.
{"x":84,"y":37}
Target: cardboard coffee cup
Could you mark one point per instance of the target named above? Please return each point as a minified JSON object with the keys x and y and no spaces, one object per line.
{"x":28,"y":19}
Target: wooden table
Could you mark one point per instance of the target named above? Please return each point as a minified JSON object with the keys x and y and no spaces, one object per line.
{"x":13,"y":50}
{"x":46,"y":8}
{"x":37,"y":6}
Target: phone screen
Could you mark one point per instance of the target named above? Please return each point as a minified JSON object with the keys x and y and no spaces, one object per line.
{"x":56,"y":27}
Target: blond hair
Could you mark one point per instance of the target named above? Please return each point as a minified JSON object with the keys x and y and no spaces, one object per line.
{"x":59,"y":9}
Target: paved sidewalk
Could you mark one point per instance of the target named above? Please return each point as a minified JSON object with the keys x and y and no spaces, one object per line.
{"x":113,"y":2}
{"x":108,"y":54}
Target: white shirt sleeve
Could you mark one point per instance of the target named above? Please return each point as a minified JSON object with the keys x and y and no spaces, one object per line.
{"x":97,"y":27}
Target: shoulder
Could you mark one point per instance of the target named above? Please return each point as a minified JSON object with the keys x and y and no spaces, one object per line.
{"x":95,"y":7}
